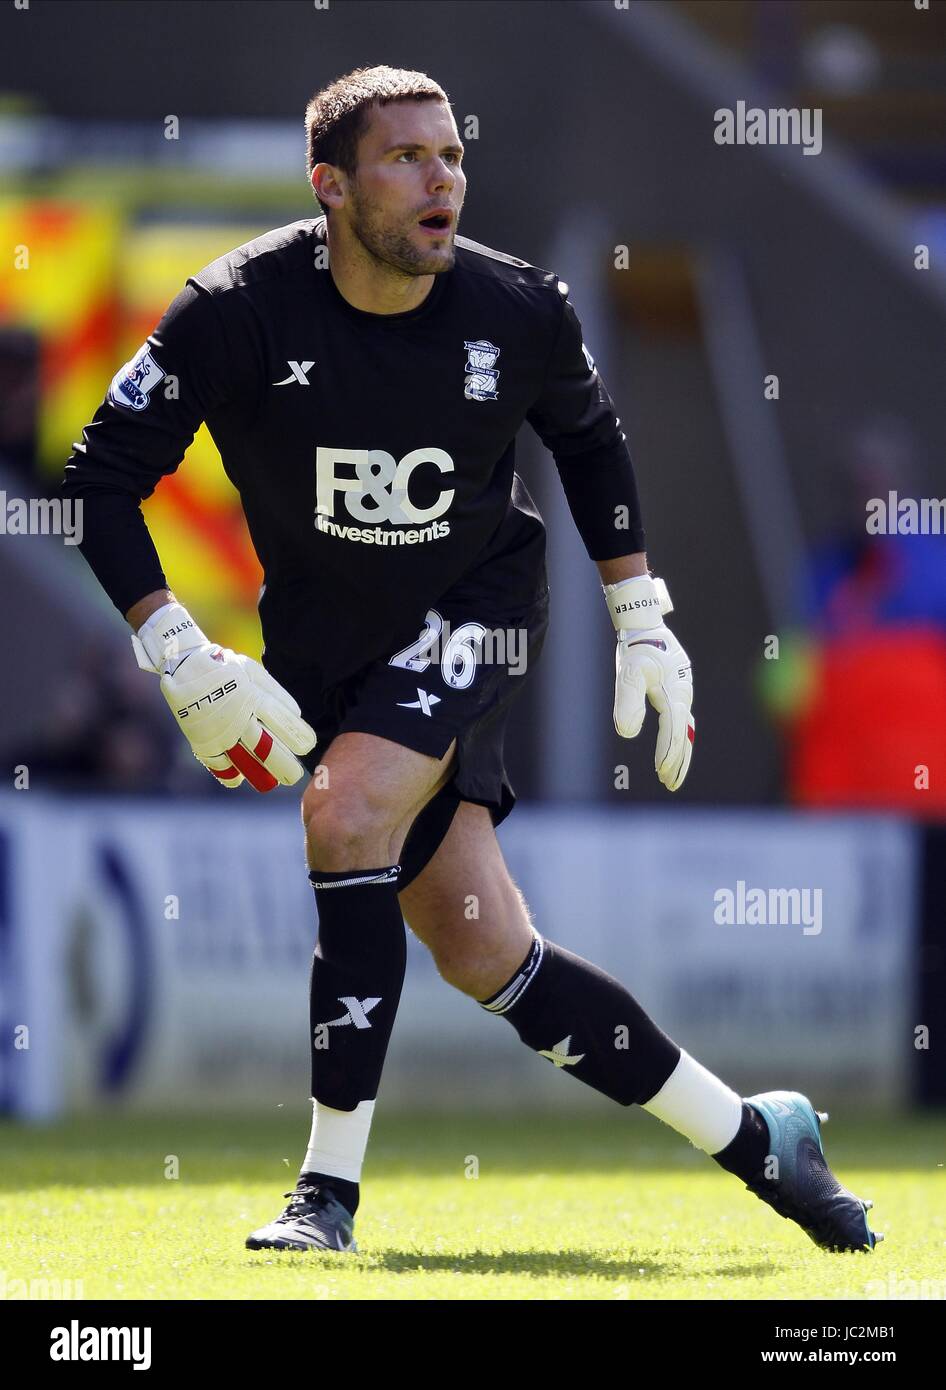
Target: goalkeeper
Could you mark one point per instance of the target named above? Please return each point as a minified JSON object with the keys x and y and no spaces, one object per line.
{"x":364,"y":375}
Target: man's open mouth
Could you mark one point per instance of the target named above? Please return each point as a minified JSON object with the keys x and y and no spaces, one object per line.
{"x":437,"y":222}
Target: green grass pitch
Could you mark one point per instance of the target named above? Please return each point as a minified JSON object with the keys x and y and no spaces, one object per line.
{"x":607,"y":1206}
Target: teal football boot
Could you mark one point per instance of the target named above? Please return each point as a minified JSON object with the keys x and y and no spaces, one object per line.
{"x":797,"y":1182}
{"x":314,"y":1220}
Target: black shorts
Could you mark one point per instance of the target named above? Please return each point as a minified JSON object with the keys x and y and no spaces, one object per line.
{"x":457,"y":681}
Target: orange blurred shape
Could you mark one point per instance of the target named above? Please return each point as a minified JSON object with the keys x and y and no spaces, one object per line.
{"x":876,"y":720}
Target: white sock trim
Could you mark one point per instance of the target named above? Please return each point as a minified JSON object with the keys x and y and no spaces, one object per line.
{"x":697,"y":1104}
{"x":338,"y":1140}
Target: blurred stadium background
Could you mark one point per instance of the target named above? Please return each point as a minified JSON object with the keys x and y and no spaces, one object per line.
{"x":155,"y":935}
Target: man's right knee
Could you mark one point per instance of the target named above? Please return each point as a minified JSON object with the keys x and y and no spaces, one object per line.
{"x":347,"y":832}
{"x":356,"y":820}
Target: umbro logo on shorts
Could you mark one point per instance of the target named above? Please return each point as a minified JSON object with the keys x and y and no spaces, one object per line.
{"x":424,"y":702}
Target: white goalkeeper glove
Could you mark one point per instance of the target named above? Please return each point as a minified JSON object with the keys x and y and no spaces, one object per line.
{"x":651,"y":665}
{"x":240,"y":723}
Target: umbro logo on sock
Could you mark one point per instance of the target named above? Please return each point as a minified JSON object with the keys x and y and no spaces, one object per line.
{"x":357,"y":1011}
{"x":424,"y":702}
{"x":560,"y":1056}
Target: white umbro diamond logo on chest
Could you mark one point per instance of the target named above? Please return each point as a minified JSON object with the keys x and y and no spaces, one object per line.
{"x":297,"y":373}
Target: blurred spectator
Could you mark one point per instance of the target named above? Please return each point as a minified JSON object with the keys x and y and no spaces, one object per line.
{"x":106,"y":728}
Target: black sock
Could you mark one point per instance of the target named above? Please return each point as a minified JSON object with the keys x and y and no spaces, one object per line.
{"x":746,"y":1154}
{"x":586,"y":1023}
{"x":348,"y":1193}
{"x":357,"y":975}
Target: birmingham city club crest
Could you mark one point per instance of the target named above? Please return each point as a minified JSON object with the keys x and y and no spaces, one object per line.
{"x":481,"y":373}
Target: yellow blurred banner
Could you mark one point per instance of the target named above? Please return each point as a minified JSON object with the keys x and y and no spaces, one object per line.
{"x":92,"y":285}
{"x":59,"y":279}
{"x":194,"y":515}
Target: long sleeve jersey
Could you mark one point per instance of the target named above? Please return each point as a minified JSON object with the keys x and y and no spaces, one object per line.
{"x":373,"y":453}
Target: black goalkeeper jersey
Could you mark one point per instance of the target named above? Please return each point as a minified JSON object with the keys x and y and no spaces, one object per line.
{"x":373,"y":453}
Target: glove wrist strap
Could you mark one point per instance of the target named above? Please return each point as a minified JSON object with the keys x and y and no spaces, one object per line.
{"x":165,"y":638}
{"x":636,"y":603}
